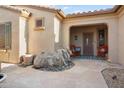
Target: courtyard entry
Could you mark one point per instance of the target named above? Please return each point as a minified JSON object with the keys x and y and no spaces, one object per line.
{"x":89,"y":40}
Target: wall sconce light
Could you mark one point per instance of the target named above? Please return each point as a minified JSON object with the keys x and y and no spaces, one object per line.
{"x":76,"y":37}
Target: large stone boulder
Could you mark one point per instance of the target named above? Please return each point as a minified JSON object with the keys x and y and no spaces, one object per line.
{"x":65,"y":54}
{"x":53,"y":61}
{"x":48,"y":59}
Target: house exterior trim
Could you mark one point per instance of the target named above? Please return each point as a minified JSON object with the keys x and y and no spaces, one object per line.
{"x":95,"y":12}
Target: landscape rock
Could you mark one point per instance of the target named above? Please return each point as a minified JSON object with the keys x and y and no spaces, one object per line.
{"x":57,"y":61}
{"x":26,"y":60}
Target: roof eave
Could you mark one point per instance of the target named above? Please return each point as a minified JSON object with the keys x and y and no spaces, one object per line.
{"x":23,"y":13}
{"x":101,"y":12}
{"x":61,"y":13}
{"x":10,"y":8}
{"x":53,"y":10}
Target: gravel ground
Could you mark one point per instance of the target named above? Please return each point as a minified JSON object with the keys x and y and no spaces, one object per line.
{"x":114,"y":77}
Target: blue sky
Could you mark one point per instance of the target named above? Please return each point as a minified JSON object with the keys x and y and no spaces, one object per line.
{"x":81,"y":8}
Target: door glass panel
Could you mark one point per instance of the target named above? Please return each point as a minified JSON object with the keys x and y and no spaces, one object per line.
{"x":87,"y":41}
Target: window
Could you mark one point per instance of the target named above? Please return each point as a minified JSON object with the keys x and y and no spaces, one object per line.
{"x":2,"y":36}
{"x":39,"y":22}
{"x":5,"y":35}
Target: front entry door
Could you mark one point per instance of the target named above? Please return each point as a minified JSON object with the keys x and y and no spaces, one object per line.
{"x":88,"y":44}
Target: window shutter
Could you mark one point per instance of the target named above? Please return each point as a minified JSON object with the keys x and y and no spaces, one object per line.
{"x":2,"y":36}
{"x":8,"y":35}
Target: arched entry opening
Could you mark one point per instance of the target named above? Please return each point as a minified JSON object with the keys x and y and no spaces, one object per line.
{"x":89,"y":40}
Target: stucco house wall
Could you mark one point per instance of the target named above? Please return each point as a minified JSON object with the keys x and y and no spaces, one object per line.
{"x":110,"y":19}
{"x":23,"y":31}
{"x":25,"y":37}
{"x":40,"y":40}
{"x":121,"y":38}
{"x":57,"y":33}
{"x":13,"y":17}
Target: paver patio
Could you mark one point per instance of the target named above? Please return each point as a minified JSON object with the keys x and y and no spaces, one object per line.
{"x":85,"y":73}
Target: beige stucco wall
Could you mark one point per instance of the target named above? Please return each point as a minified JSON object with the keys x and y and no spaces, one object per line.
{"x":45,"y":40}
{"x":57,"y":33}
{"x":22,"y":35}
{"x":9,"y":16}
{"x":41,"y":40}
{"x":110,"y":20}
{"x":121,"y":38}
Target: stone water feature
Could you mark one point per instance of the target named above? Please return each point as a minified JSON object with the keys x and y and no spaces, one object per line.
{"x":57,"y":61}
{"x":2,"y":75}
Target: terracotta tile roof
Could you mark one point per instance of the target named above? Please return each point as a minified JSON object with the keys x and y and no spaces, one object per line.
{"x":95,"y":12}
{"x":16,"y":9}
{"x":46,"y":8}
{"x":89,"y":13}
{"x":11,"y":8}
{"x":60,"y":12}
